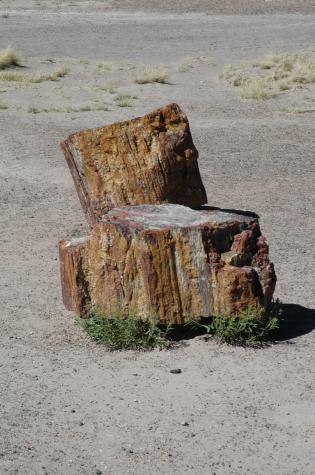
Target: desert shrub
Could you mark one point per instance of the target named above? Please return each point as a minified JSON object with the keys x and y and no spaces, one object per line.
{"x":248,"y":327}
{"x":153,"y":74}
{"x":8,"y":58}
{"x":257,"y":88}
{"x":128,"y":332}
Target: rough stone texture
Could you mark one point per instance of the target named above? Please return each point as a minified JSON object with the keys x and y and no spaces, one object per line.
{"x":147,"y":160}
{"x":169,"y":260}
{"x":75,"y":292}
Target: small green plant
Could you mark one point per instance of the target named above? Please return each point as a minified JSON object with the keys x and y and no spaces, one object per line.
{"x":125,"y":332}
{"x":248,"y":327}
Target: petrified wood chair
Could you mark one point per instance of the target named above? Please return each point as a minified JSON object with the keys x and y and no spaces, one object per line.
{"x":153,"y":247}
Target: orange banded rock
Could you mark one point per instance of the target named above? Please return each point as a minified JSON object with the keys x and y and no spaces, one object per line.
{"x":146,"y":160}
{"x":168,"y":260}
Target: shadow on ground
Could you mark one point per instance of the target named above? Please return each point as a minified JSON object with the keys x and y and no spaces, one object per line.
{"x":294,"y":321}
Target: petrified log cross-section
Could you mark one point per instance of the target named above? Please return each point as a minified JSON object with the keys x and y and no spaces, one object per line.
{"x":168,"y":260}
{"x":156,"y":258}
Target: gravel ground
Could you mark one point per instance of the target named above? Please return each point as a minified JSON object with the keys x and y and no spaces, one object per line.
{"x":69,"y":406}
{"x":226,"y":7}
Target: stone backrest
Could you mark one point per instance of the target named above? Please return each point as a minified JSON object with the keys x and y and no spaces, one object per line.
{"x":146,"y":160}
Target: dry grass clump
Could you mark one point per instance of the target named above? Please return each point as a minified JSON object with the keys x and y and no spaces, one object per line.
{"x":292,"y":110}
{"x":54,"y":76}
{"x":33,"y":78}
{"x":235,"y":75}
{"x":153,"y":74}
{"x":123,"y":102}
{"x":122,"y":99}
{"x":104,"y":66}
{"x":309,"y":98}
{"x":285,"y":71}
{"x":113,"y":66}
{"x":185,"y":65}
{"x":257,"y":88}
{"x":8,"y":58}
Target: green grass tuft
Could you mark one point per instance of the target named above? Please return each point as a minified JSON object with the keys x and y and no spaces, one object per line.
{"x":125,"y":332}
{"x":249,"y":327}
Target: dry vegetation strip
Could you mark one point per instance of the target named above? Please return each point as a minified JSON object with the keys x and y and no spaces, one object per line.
{"x":33,"y":78}
{"x":67,"y":110}
{"x":276,"y":74}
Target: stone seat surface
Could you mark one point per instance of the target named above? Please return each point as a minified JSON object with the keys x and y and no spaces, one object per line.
{"x":173,"y":216}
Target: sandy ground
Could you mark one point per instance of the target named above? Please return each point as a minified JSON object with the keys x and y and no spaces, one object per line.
{"x":69,"y":406}
{"x":226,"y":7}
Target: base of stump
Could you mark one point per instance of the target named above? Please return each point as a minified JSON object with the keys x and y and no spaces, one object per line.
{"x":170,"y":261}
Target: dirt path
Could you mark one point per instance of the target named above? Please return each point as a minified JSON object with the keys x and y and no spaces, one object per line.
{"x":70,"y":407}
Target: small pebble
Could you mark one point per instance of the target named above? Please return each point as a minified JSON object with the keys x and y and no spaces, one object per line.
{"x":176,"y":371}
{"x":73,"y":411}
{"x":98,"y":471}
{"x":184,"y":423}
{"x":81,"y":423}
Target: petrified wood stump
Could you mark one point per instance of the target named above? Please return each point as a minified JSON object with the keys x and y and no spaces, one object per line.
{"x":147,"y":160}
{"x":168,"y":260}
